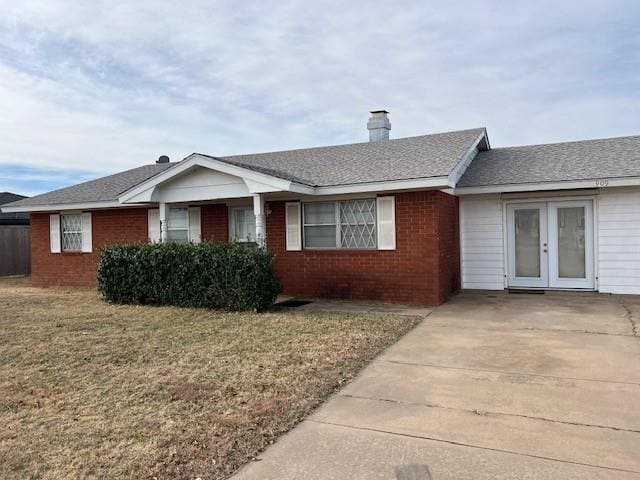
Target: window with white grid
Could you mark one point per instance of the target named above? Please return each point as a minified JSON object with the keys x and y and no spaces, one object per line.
{"x":342,"y":224}
{"x":71,"y":229}
{"x":358,"y":223}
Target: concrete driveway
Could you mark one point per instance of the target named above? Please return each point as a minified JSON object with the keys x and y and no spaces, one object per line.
{"x":486,"y":387}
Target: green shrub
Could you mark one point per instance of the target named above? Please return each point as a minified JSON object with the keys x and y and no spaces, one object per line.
{"x":225,"y":276}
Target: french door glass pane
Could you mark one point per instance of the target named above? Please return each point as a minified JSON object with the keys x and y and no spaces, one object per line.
{"x":571,"y":246}
{"x":527,"y":226}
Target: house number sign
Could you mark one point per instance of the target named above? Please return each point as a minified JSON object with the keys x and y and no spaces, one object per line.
{"x":603,"y":182}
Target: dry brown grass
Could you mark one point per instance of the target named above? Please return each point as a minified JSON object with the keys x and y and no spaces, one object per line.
{"x":89,"y":389}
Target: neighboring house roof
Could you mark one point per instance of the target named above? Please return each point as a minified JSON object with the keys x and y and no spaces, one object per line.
{"x":424,"y":156}
{"x":556,"y":162}
{"x":419,"y":157}
{"x":12,"y":218}
{"x":100,"y":190}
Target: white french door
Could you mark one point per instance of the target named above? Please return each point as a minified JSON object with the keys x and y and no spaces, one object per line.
{"x":527,"y":245}
{"x":550,"y":244}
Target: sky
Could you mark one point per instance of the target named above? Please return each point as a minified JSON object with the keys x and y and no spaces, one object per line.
{"x":92,"y":88}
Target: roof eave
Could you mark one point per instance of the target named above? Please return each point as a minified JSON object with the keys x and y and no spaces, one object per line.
{"x":60,"y":207}
{"x":551,"y":185}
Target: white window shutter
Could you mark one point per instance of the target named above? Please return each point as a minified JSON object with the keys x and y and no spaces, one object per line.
{"x":54,"y":232}
{"x":87,"y":237}
{"x":386,"y":213}
{"x":293,"y":226}
{"x":195,"y":231}
{"x":154,"y":225}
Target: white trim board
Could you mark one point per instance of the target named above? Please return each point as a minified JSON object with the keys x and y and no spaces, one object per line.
{"x":600,"y":183}
{"x":69,"y":206}
{"x":467,"y":158}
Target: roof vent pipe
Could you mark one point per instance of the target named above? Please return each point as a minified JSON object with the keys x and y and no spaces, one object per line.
{"x":163,"y":159}
{"x":379,"y":126}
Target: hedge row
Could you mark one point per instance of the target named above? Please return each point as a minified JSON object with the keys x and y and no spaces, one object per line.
{"x":225,"y":276}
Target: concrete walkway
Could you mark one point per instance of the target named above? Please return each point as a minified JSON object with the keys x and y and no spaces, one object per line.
{"x":486,"y":387}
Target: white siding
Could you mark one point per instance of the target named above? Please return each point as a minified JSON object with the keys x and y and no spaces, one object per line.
{"x":619,"y":240}
{"x":200,"y":184}
{"x":481,"y":242}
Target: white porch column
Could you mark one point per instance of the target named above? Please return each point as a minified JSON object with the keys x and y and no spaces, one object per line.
{"x":164,"y":228}
{"x":261,"y":226}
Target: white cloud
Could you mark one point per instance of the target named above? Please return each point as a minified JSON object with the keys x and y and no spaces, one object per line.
{"x":103,"y":86}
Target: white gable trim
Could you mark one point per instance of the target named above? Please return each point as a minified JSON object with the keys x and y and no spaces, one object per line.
{"x":564,"y":185}
{"x":257,"y":181}
{"x":481,"y":142}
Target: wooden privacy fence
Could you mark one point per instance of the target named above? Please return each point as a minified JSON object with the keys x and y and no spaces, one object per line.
{"x":15,"y":250}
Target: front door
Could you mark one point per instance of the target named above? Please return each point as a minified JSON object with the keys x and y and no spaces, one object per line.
{"x":550,"y":244}
{"x":527,"y":247}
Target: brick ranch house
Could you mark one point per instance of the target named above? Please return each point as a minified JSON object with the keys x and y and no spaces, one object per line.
{"x":408,"y":220}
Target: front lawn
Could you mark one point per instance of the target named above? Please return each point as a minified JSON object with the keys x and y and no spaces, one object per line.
{"x":89,"y":389}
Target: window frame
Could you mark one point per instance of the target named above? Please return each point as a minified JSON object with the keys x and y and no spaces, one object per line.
{"x":338,"y":225}
{"x":335,"y":224}
{"x":232,"y":224}
{"x":70,"y":214}
{"x":186,"y":209}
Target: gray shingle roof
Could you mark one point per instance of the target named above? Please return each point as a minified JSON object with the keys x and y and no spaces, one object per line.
{"x":583,"y":160}
{"x":398,"y":159}
{"x":404,"y":158}
{"x":100,"y":190}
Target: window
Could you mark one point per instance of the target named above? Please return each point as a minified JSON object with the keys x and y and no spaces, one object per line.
{"x":178,"y":225}
{"x":356,"y":220}
{"x":243,"y":224}
{"x":71,"y":228}
{"x":358,"y":224}
{"x":320,"y":225}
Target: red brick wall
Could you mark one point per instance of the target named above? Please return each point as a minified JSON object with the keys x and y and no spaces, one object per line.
{"x":214,"y":222}
{"x":449,"y":245}
{"x":79,"y":269}
{"x":424,"y":268}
